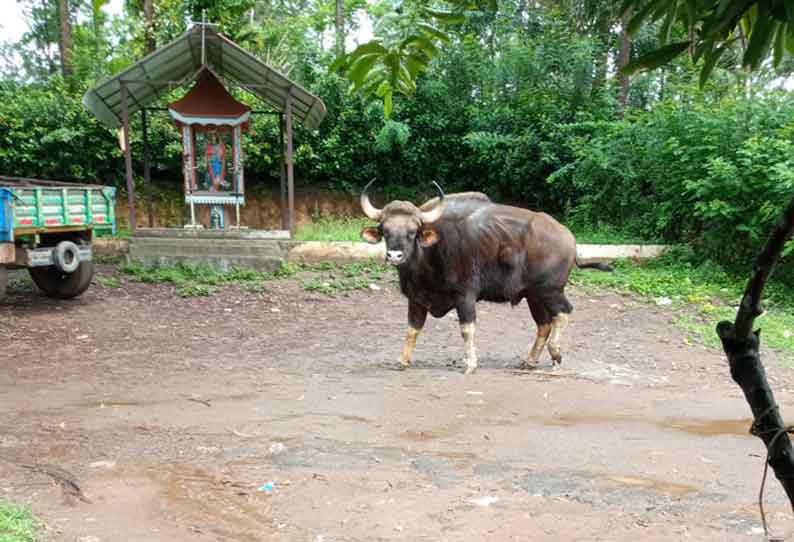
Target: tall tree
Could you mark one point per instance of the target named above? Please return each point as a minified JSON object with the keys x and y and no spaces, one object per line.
{"x":150,"y":43}
{"x":604,"y":40}
{"x":339,"y":27}
{"x":624,"y":55}
{"x":65,"y":42}
{"x":39,"y":45}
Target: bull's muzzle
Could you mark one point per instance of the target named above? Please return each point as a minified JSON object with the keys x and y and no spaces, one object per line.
{"x":395,"y":257}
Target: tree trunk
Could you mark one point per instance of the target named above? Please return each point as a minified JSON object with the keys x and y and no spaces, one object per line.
{"x":662,"y":83}
{"x":604,"y":37}
{"x":741,"y":346}
{"x":339,"y":26}
{"x":65,"y":41}
{"x":521,"y":9}
{"x":624,"y":56}
{"x":148,"y":18}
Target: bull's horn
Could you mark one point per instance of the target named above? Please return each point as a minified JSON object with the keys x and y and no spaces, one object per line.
{"x":434,"y":214}
{"x":370,"y":210}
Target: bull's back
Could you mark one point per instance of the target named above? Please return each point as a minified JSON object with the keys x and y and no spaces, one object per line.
{"x":523,"y":248}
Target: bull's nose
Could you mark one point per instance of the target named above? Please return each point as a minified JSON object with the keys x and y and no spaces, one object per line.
{"x":394,"y":256}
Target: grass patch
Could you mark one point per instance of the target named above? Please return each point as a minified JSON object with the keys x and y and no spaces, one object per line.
{"x":109,"y":282}
{"x":20,"y":282}
{"x":709,"y":293}
{"x":202,"y":280}
{"x":122,"y":232}
{"x":335,"y":279}
{"x":17,"y":524}
{"x":345,"y":228}
{"x":340,"y":228}
{"x":605,"y":234}
{"x":108,"y":260}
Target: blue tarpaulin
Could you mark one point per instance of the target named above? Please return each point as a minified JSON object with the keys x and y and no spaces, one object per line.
{"x":6,"y":214}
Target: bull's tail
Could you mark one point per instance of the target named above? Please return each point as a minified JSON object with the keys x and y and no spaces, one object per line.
{"x":595,"y":265}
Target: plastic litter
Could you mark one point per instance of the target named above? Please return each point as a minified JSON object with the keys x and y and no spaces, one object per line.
{"x":485,"y":500}
{"x":267,"y":488}
{"x":276,"y":448}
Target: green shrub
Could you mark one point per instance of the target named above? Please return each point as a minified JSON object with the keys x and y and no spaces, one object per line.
{"x":715,"y":175}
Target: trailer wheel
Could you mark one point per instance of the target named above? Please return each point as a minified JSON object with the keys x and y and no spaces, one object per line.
{"x":55,"y":283}
{"x":3,"y":282}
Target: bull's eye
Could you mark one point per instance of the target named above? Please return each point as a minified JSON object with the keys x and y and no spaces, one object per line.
{"x":411,"y":234}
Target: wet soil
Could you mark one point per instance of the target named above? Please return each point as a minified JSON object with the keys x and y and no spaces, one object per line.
{"x":173,"y":414}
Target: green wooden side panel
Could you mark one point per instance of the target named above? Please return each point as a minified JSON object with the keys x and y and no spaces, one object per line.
{"x":37,"y":207}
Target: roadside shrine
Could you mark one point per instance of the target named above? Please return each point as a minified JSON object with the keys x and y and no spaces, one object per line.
{"x":211,"y":122}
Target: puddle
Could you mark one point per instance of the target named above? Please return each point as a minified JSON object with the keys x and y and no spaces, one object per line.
{"x":603,"y":491}
{"x":676,"y":490}
{"x":234,"y":397}
{"x":419,"y":435}
{"x":452,"y":456}
{"x":709,"y":428}
{"x":359,"y":419}
{"x":226,"y":508}
{"x":106,"y":403}
{"x":598,"y":372}
{"x":699,"y":427}
{"x":111,"y":403}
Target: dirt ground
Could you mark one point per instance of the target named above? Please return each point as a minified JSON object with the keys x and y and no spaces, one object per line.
{"x":172,"y":414}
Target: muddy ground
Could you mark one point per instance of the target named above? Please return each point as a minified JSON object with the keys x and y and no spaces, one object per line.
{"x":171,"y":414}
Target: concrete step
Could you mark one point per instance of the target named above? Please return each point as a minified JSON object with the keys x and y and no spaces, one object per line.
{"x":221,"y":254}
{"x":321,"y":251}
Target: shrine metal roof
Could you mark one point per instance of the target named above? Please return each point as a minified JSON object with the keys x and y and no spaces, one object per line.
{"x":180,"y":62}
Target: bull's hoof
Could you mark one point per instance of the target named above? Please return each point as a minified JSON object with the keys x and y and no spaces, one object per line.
{"x":470,"y":370}
{"x":401,"y":366}
{"x":527,"y":366}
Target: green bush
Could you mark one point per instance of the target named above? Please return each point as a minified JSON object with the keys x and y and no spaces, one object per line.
{"x":715,"y":175}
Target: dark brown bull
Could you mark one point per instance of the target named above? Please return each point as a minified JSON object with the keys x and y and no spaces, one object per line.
{"x":456,"y":250}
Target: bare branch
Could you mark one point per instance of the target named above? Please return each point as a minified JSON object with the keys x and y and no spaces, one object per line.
{"x":750,"y":307}
{"x":741,"y":346}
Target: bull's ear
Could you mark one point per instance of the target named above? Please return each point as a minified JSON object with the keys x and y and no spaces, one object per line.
{"x":371,"y":235}
{"x":428,"y":238}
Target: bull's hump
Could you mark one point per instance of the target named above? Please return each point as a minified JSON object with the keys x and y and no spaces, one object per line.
{"x":501,"y":215}
{"x":459,"y":198}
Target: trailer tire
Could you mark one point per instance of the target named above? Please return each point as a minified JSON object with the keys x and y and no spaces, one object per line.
{"x":66,"y":256}
{"x":59,"y":285}
{"x":3,"y":282}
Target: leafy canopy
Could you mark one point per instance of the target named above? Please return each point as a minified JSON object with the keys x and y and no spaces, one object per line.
{"x":407,"y":39}
{"x":715,"y":28}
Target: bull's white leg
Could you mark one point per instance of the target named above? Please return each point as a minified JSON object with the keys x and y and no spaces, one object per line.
{"x":469,"y":351}
{"x":537,"y":348}
{"x":558,"y":323}
{"x":408,"y":347}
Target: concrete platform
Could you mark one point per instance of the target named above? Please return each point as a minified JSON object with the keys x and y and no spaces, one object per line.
{"x":266,"y":250}
{"x":223,"y":250}
{"x":188,"y":233}
{"x":322,"y":251}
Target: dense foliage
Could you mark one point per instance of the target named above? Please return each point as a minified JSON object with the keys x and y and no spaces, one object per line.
{"x":520,"y":102}
{"x":705,"y":172}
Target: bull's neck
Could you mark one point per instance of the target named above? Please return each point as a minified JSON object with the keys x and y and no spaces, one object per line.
{"x":426,"y":264}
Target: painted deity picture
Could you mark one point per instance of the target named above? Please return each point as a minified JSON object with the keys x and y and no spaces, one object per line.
{"x":214,"y":167}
